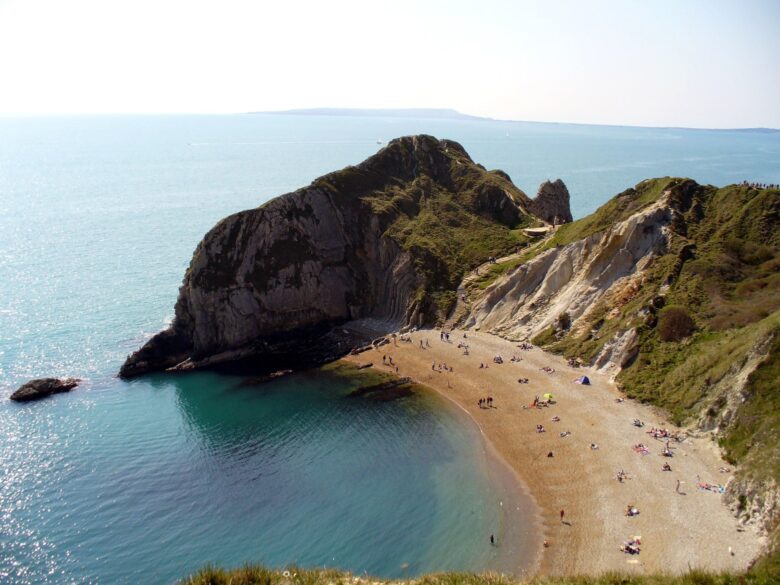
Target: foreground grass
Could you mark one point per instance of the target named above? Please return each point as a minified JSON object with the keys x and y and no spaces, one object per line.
{"x":258,"y":575}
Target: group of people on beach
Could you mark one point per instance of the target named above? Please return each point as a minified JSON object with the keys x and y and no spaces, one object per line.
{"x":665,"y":434}
{"x":485,"y":402}
{"x":630,"y":546}
{"x":388,"y":361}
{"x":441,"y":367}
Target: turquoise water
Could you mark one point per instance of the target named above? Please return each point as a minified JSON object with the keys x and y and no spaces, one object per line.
{"x":98,"y":219}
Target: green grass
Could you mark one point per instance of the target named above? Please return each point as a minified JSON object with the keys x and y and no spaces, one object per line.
{"x":450,"y":217}
{"x":258,"y":575}
{"x":619,"y":208}
{"x":722,"y":267}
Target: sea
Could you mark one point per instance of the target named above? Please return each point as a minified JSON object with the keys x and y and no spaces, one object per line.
{"x":152,"y":479}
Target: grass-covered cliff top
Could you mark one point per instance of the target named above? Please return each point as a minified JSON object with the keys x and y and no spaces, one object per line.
{"x":446,"y":210}
{"x":257,"y":575}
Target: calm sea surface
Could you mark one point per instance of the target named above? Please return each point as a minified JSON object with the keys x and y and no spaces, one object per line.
{"x":146,"y":481}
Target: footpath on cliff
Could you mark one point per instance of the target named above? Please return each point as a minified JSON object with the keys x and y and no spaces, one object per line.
{"x":680,"y":525}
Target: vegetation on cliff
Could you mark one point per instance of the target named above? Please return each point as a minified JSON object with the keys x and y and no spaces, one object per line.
{"x":706,"y":315}
{"x":450,"y":214}
{"x":388,"y":240}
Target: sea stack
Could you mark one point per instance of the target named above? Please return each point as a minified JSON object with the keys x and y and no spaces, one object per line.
{"x":358,"y":253}
{"x":552,"y":203}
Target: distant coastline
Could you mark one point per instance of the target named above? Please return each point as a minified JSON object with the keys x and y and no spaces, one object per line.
{"x":436,"y":113}
{"x":451,"y":114}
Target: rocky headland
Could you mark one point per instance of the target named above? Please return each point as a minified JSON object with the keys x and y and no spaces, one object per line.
{"x":357,"y":254}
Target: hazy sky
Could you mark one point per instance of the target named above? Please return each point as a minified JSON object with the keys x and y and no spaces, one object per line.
{"x":707,"y":63}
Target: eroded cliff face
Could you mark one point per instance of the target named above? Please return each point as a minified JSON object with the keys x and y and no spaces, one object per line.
{"x":278,"y":283}
{"x":572,"y":279}
{"x":599,"y":291}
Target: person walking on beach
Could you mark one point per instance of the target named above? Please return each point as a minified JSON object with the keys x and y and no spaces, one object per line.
{"x":492,"y":540}
{"x":562,"y":513}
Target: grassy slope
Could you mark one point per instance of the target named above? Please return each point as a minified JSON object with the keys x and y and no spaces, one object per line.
{"x":256,"y":575}
{"x":451,"y":215}
{"x":723,"y":268}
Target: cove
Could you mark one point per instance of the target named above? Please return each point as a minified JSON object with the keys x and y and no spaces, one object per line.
{"x":152,"y":479}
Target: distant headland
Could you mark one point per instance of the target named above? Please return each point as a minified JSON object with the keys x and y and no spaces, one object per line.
{"x":436,"y":113}
{"x":451,"y":114}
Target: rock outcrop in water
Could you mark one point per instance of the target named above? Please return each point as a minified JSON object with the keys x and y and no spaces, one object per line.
{"x":43,"y":387}
{"x":359,"y":253}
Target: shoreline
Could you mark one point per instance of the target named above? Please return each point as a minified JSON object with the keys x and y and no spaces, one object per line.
{"x":577,"y":479}
{"x":521,"y":516}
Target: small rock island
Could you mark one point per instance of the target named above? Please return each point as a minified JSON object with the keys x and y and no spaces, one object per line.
{"x":43,"y":387}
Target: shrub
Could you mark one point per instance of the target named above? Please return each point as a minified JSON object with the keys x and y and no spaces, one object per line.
{"x":564,"y":321}
{"x":675,"y":324}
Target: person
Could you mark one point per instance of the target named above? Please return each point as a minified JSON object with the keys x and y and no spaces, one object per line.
{"x":546,"y":544}
{"x":492,"y":539}
{"x":666,"y":467}
{"x":433,"y":366}
{"x":550,"y":454}
{"x":562,"y":514}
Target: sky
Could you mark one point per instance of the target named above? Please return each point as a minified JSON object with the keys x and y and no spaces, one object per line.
{"x":693,"y":63}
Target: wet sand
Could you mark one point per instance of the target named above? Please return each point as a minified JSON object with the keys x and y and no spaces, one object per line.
{"x":679,"y":530}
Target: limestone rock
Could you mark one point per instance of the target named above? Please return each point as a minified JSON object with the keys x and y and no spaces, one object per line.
{"x":43,"y":387}
{"x":552,"y":203}
{"x":312,"y":274}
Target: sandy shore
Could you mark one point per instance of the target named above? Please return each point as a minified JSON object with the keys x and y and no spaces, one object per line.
{"x":679,"y":530}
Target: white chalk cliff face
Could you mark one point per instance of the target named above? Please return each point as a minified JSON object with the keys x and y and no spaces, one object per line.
{"x":573,"y":278}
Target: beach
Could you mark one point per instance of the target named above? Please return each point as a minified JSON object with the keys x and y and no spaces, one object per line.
{"x":581,"y":505}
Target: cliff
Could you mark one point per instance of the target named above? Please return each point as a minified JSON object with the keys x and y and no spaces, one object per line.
{"x":674,"y":289}
{"x":359,"y":253}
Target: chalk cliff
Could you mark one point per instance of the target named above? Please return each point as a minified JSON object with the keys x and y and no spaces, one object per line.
{"x":674,"y":289}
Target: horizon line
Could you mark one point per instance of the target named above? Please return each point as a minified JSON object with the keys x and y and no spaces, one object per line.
{"x":330,"y":111}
